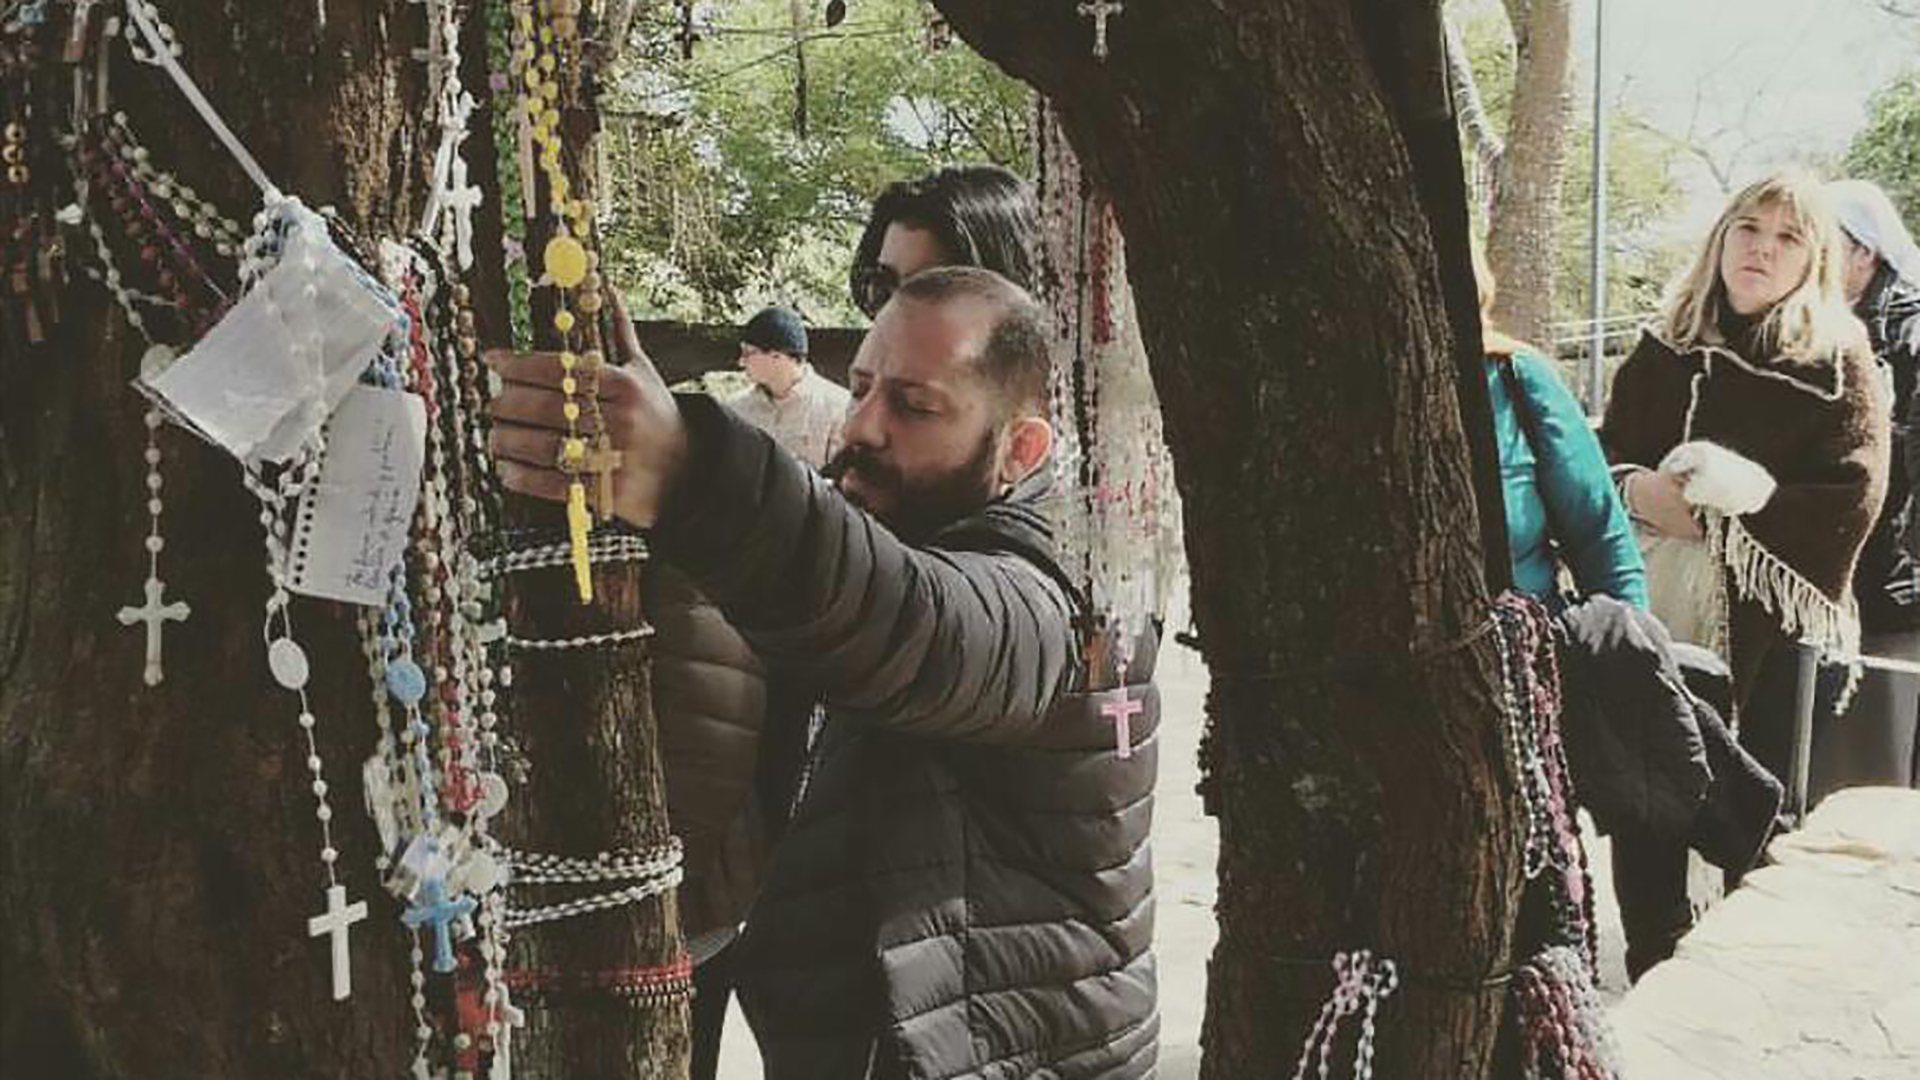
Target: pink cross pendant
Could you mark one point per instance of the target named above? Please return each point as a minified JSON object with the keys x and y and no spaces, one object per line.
{"x":1121,"y":710}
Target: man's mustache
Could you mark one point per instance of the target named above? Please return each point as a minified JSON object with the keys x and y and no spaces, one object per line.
{"x":863,"y":461}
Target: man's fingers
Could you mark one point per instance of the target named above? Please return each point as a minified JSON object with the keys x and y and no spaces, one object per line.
{"x":540,"y":483}
{"x":537,"y":406}
{"x":531,"y":446}
{"x":626,"y":340}
{"x":531,"y":368}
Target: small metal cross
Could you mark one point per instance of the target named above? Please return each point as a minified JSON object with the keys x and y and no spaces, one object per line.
{"x":1100,"y":11}
{"x":155,"y":614}
{"x":335,"y":920}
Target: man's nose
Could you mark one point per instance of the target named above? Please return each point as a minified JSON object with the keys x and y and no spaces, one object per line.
{"x":863,"y":424}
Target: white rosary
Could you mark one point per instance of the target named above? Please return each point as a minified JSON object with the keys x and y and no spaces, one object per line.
{"x":1361,"y":984}
{"x":156,"y":612}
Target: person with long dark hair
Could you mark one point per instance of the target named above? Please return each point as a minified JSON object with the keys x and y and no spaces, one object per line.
{"x":962,"y":215}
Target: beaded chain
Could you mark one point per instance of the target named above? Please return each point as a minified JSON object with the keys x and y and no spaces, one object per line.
{"x":650,"y":985}
{"x":155,"y":612}
{"x":1361,"y":983}
{"x":1531,"y":692}
{"x":433,"y":625}
{"x":544,"y":54}
{"x":1119,"y":527}
{"x":604,"y":547}
{"x":1562,"y":1023}
{"x":519,"y":918}
{"x":652,"y":871}
{"x":504,"y":61}
{"x":536,"y":868}
{"x":1520,"y":703}
{"x":606,"y":639}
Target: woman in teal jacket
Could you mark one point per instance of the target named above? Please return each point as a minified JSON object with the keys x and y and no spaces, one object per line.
{"x":1559,"y":494}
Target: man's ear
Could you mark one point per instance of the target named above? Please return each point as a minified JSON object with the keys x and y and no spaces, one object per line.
{"x":1028,"y":442}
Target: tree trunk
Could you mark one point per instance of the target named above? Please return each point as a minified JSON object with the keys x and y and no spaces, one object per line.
{"x":1289,"y":188}
{"x":1523,"y":246}
{"x":158,"y":850}
{"x":160,"y":843}
{"x":586,"y":730}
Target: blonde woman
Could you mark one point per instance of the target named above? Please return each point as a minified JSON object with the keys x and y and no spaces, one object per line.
{"x":1749,"y":431}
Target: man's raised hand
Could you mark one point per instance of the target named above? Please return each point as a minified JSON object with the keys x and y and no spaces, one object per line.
{"x":642,"y":423}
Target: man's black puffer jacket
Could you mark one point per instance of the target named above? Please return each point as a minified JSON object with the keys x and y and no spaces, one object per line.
{"x":966,"y":889}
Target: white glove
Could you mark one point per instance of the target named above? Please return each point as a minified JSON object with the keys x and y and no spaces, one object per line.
{"x":1719,"y":479}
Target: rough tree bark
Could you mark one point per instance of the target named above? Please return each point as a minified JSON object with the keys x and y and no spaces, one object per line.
{"x":1282,"y":186}
{"x":587,"y":737}
{"x":1523,"y":243}
{"x":158,"y":845}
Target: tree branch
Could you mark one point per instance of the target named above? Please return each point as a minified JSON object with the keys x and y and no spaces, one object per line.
{"x":1486,"y":142}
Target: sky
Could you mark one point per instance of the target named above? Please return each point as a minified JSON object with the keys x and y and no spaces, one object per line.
{"x":1754,"y":81}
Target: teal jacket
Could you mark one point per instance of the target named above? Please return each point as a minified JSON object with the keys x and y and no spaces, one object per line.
{"x":1571,"y":488}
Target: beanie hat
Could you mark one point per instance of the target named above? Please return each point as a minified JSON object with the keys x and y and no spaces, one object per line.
{"x":777,"y":329}
{"x":1868,"y":216}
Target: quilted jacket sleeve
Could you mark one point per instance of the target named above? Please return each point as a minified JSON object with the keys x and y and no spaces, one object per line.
{"x":961,"y":644}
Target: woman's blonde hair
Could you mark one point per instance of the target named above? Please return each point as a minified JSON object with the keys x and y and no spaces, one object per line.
{"x":1813,"y":320}
{"x":1495,"y":341}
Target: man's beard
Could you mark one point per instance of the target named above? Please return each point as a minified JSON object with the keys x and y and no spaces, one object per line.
{"x":920,"y":507}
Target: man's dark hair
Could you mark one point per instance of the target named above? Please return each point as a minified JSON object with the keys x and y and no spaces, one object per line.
{"x":982,"y":215}
{"x":1017,"y":360}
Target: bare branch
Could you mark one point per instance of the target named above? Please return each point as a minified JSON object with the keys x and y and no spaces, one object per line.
{"x":1486,"y":142}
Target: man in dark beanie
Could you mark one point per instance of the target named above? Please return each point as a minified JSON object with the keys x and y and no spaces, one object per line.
{"x":790,"y":401}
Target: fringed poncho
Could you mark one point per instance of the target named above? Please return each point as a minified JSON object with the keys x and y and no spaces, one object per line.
{"x":1819,"y":425}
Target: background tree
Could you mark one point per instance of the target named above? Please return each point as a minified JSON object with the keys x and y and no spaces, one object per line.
{"x":158,"y":854}
{"x":1887,"y":150}
{"x":1288,"y":181}
{"x":1529,"y":168}
{"x":1643,"y":192}
{"x":720,"y":204}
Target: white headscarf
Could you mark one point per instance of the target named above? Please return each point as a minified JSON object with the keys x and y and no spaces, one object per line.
{"x":1869,"y":218}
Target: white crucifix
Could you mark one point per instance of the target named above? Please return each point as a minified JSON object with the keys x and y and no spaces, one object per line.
{"x":1121,"y":709}
{"x":461,"y":199}
{"x":1099,"y":11}
{"x":508,"y":1016}
{"x":335,"y":920}
{"x":155,"y":613}
{"x":441,"y":54}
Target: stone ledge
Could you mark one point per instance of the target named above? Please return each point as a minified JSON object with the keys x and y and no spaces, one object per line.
{"x":1810,"y":970}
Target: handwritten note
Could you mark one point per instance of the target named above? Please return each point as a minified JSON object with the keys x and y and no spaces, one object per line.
{"x":352,"y":528}
{"x":245,"y":387}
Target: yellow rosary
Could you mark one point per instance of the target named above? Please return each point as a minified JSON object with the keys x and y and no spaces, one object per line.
{"x":570,"y":267}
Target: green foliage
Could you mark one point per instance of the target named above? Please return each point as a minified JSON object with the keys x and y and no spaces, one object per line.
{"x":1643,"y":189}
{"x":1887,"y":150}
{"x":1643,"y":194}
{"x":718,"y":203}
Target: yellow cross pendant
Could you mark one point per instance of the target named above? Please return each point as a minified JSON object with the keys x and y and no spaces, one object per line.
{"x":579,"y":524}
